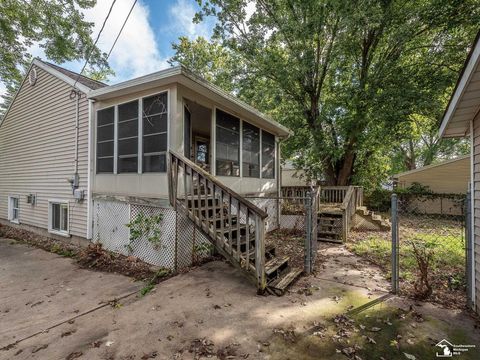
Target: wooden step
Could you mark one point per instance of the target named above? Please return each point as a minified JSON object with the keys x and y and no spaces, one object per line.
{"x":280,"y":285}
{"x":319,"y":238}
{"x":322,"y":232}
{"x":275,"y":265}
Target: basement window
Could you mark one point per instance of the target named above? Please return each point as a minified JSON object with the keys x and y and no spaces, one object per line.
{"x":13,"y":209}
{"x":228,"y":144}
{"x":105,"y":140}
{"x":268,"y":155}
{"x":155,"y":125}
{"x":58,"y":217}
{"x":127,"y":161}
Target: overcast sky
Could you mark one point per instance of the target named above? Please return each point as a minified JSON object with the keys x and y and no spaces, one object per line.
{"x":145,"y":43}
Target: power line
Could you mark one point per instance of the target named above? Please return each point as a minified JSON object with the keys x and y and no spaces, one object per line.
{"x":95,"y":43}
{"x":120,"y":32}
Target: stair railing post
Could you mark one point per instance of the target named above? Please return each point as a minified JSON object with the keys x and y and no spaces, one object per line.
{"x":260,"y":254}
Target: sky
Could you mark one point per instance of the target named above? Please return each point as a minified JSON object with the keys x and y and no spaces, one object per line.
{"x":145,"y":43}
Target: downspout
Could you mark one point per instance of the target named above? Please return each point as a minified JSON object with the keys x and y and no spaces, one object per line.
{"x":472,"y":212}
{"x":90,"y":171}
{"x":75,"y":94}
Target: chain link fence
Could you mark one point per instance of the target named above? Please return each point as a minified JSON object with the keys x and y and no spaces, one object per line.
{"x":429,"y":247}
{"x":291,"y":228}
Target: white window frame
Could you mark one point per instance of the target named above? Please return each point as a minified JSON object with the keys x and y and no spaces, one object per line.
{"x":50,"y":217}
{"x":10,"y":209}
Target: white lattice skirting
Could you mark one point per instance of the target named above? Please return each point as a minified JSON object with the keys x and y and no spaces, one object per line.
{"x":180,"y":245}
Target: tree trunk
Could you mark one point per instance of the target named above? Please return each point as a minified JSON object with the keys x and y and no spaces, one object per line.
{"x":346,"y":171}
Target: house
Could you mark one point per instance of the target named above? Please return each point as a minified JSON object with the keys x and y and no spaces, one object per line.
{"x":462,"y":119}
{"x":292,"y":176}
{"x":82,"y":160}
{"x":446,"y":177}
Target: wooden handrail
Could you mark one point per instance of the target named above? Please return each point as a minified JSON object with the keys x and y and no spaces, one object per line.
{"x":215,"y":181}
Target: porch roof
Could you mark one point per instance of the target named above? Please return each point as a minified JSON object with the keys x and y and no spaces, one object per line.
{"x":181,"y":75}
{"x":464,"y":105}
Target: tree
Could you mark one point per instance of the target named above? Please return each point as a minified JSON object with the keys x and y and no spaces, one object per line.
{"x":56,"y":26}
{"x":346,"y":76}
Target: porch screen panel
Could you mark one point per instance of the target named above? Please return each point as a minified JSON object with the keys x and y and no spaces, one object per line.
{"x":155,"y":122}
{"x":268,"y":155}
{"x":227,"y":144}
{"x":105,"y":139}
{"x":128,"y":137}
{"x":250,"y":150}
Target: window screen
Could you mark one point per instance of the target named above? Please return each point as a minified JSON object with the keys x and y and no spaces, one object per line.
{"x":227,"y":144}
{"x":155,"y":120}
{"x":127,"y":137}
{"x":105,"y":138}
{"x":268,"y":155}
{"x":250,"y":150}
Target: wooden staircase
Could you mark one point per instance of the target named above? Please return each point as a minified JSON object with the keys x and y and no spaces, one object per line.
{"x":330,"y":227}
{"x":235,"y":226}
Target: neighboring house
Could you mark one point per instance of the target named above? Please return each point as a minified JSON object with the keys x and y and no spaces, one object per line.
{"x":292,"y":176}
{"x":447,"y":177}
{"x":462,"y":119}
{"x":84,"y":164}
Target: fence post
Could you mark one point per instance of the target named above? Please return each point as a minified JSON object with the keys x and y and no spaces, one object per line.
{"x":308,"y":238}
{"x":395,"y":247}
{"x":468,"y":248}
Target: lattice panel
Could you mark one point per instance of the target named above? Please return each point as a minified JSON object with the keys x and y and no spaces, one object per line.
{"x":162,"y":253}
{"x":110,"y":218}
{"x":270,"y":207}
{"x":180,"y":243}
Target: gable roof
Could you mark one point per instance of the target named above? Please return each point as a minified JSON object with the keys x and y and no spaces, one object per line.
{"x":88,"y":82}
{"x":182,"y":75}
{"x":423,"y":168}
{"x":464,"y":104}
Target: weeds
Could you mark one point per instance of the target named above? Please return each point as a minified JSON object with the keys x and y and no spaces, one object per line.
{"x":159,"y":275}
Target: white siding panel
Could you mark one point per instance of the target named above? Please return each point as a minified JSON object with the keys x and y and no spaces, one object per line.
{"x":37,"y":151}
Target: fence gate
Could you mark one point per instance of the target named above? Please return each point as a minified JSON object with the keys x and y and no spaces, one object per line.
{"x":429,"y":247}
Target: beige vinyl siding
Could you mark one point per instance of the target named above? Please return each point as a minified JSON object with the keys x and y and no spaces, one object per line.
{"x":476,"y":198}
{"x":37,"y":151}
{"x":449,"y":178}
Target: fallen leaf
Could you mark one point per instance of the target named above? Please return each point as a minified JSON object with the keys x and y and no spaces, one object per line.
{"x":410,"y":356}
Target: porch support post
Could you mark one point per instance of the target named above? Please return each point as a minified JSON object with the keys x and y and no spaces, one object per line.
{"x":278,"y":172}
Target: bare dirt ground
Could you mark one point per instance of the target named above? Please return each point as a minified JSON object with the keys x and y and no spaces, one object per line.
{"x":212,"y":312}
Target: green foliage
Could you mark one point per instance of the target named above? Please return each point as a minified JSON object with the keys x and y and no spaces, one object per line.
{"x":150,"y":284}
{"x":146,"y":227}
{"x":58,"y":27}
{"x":352,"y":79}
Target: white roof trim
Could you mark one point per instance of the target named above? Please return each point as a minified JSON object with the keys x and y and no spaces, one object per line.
{"x":61,"y":76}
{"x":182,"y":71}
{"x":467,"y":74}
{"x":430,"y":166}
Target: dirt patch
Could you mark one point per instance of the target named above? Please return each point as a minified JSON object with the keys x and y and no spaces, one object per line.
{"x":288,"y":243}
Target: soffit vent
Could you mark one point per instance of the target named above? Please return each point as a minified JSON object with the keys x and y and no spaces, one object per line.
{"x":32,"y":76}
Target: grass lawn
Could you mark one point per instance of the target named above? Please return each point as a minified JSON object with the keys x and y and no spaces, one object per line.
{"x":436,"y":246}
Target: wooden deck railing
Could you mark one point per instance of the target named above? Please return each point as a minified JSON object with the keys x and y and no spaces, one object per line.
{"x":352,"y":200}
{"x":220,"y":213}
{"x":333,"y":194}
